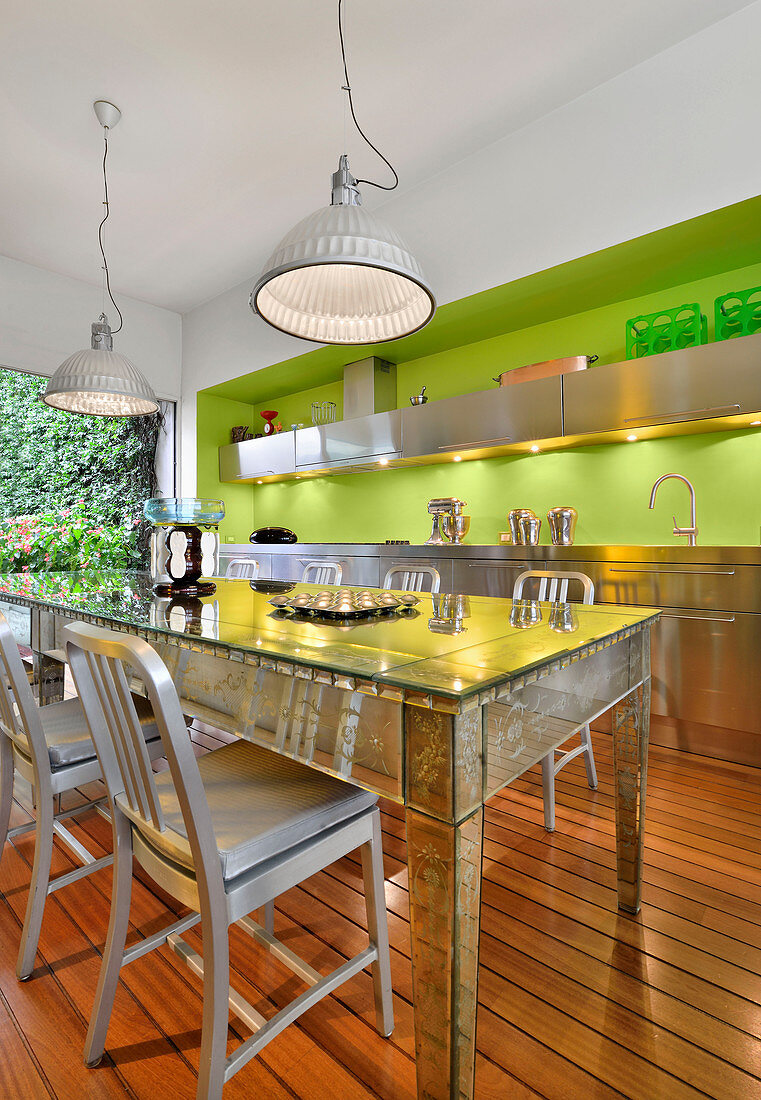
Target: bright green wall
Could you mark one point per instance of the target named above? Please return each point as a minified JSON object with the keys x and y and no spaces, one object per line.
{"x":215,"y":416}
{"x":609,"y":485}
{"x":597,"y":332}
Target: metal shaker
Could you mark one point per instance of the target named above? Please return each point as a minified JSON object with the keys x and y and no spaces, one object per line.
{"x":562,"y":523}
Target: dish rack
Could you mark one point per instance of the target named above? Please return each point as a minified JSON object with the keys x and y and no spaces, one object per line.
{"x":323,"y":412}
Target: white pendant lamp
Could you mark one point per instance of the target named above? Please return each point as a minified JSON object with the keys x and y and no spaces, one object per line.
{"x":99,"y":381}
{"x":342,"y":276}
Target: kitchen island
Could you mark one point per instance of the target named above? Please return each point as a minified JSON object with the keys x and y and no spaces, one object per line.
{"x":705,"y":647}
{"x":436,"y":720}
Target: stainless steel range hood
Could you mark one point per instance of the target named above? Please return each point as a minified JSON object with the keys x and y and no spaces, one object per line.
{"x":369,"y":387}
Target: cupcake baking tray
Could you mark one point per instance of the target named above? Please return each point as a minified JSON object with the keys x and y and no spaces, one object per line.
{"x":345,"y":603}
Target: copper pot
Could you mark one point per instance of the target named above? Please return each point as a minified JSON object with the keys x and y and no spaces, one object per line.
{"x":547,"y":369}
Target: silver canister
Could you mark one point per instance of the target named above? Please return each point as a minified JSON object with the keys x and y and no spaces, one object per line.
{"x":524,"y":526}
{"x":562,"y":523}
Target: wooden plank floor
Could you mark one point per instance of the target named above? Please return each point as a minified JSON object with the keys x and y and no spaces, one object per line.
{"x":576,"y":1000}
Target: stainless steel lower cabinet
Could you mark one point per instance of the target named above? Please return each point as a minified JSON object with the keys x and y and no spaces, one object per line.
{"x":706,"y":662}
{"x":706,"y":667}
{"x":484,"y":577}
{"x":225,"y":557}
{"x":444,"y":566}
{"x":356,"y":570}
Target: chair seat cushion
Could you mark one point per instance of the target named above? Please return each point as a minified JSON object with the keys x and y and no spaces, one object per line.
{"x":261,"y":804}
{"x":67,"y":734}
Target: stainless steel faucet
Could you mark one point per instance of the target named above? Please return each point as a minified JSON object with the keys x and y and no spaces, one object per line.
{"x":692,"y":531}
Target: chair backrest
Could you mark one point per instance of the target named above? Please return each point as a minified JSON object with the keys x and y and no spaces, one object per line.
{"x":552,"y":585}
{"x":19,"y":717}
{"x":417,"y":578}
{"x":98,"y":658}
{"x":243,"y":568}
{"x":322,"y":572}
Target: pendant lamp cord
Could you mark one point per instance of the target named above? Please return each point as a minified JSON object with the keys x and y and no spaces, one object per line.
{"x":347,"y":89}
{"x":100,"y":231}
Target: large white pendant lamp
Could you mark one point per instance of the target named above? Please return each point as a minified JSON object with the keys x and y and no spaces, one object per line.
{"x":342,"y":276}
{"x":99,"y":381}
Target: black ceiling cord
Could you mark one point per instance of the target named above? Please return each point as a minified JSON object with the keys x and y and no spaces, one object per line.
{"x":100,"y":232}
{"x":347,"y":89}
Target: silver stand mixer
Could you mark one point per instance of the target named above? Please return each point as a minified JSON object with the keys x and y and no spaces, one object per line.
{"x":449,"y":524}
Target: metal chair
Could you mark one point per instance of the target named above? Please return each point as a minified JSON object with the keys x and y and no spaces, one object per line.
{"x":553,"y":586}
{"x":224,"y":834}
{"x":52,"y":749}
{"x":413,"y":579}
{"x":322,"y":572}
{"x":242,"y":568}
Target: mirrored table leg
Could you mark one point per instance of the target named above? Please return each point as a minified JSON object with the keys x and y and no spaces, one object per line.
{"x":631,"y":731}
{"x":444,"y":863}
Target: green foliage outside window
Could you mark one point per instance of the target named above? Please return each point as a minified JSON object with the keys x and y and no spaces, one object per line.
{"x":71,"y":487}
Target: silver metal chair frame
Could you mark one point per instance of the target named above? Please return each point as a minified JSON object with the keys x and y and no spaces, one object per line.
{"x":322,"y":572}
{"x":552,"y":586}
{"x":97,"y":660}
{"x":243,"y":569}
{"x":19,"y":715}
{"x":413,"y":579}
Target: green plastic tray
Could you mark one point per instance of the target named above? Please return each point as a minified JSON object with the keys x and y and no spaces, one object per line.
{"x":667,"y":330}
{"x":738,"y":313}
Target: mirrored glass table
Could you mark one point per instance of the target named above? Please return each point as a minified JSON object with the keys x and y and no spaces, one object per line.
{"x":437,"y":708}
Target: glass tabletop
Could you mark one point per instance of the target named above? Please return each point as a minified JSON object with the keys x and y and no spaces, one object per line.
{"x":446,"y":645}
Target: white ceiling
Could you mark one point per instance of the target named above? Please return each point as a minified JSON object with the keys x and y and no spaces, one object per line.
{"x":233,"y":116}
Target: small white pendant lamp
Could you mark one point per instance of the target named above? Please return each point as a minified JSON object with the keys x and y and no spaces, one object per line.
{"x":342,"y":276}
{"x":99,"y":381}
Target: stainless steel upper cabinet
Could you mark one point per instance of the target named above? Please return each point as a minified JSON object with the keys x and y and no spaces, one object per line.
{"x":348,"y":442}
{"x":273,"y":454}
{"x":485,"y":421}
{"x":702,"y":383}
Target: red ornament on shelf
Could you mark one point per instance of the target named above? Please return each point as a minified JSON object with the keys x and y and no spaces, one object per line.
{"x":268,"y":416}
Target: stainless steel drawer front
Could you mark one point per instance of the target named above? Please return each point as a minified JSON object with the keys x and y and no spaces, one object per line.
{"x":356,"y":570}
{"x":703,"y":588}
{"x":488,"y":578}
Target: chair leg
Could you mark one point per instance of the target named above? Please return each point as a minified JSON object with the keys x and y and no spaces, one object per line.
{"x":377,"y":925}
{"x":216,"y":994}
{"x":269,"y":917}
{"x":113,"y":955}
{"x":6,"y":789}
{"x":38,"y":887}
{"x":548,"y":790}
{"x":589,"y":758}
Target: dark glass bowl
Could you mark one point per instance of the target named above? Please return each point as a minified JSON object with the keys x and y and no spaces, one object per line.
{"x":272,"y":535}
{"x":271,"y":587}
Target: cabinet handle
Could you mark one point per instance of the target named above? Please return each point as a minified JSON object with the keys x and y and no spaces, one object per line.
{"x":679,"y":572}
{"x":696,"y":414}
{"x":498,"y":564}
{"x":705,"y":618}
{"x":473,"y":443}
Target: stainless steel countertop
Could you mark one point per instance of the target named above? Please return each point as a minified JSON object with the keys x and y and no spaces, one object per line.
{"x":670,"y":554}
